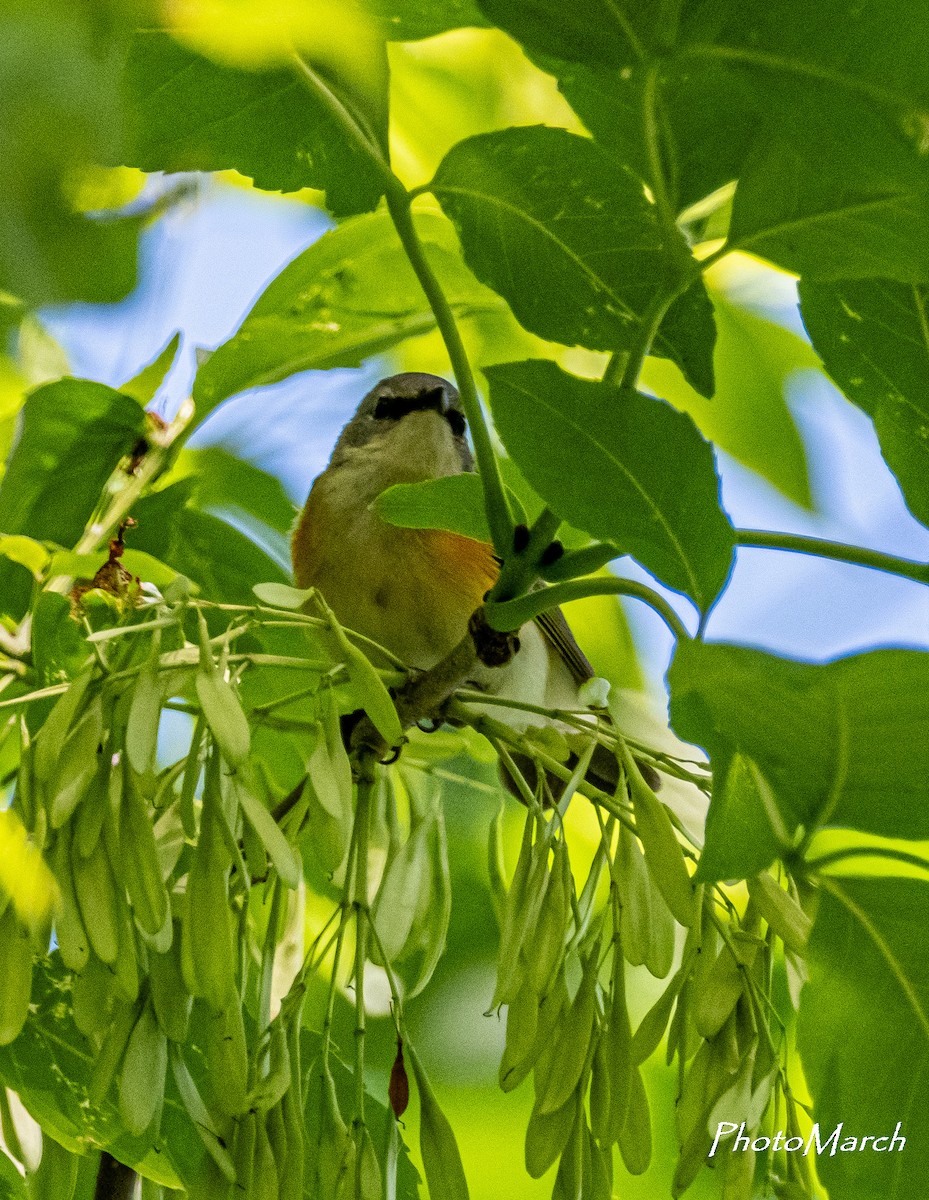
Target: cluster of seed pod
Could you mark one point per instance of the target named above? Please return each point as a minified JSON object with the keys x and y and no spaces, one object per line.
{"x":562,"y":978}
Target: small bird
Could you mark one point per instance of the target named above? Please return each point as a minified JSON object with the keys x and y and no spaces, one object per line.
{"x":414,"y":590}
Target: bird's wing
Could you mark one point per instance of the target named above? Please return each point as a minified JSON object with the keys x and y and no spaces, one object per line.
{"x":558,"y":634}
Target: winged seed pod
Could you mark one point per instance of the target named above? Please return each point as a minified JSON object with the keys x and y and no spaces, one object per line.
{"x":406,"y":878}
{"x":73,"y":941}
{"x":142,"y":1083}
{"x":141,"y":863}
{"x":368,"y":686}
{"x":663,"y":854}
{"x":16,"y":983}
{"x":335,"y":1151}
{"x":76,"y":765}
{"x":170,"y":998}
{"x":547,"y":1135}
{"x":550,"y":1009}
{"x":226,"y":1054}
{"x":718,"y":990}
{"x":284,"y":857}
{"x":573,"y":1042}
{"x":548,"y":939}
{"x":781,"y":911}
{"x":51,"y":737}
{"x":93,"y":993}
{"x":202,"y":1120}
{"x":207,"y":920}
{"x":635,"y":1138}
{"x":141,"y":737}
{"x":441,"y":1158}
{"x":98,"y":902}
{"x":220,"y":703}
{"x":646,"y":924}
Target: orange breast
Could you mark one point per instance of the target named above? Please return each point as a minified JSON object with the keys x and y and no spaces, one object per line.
{"x":412,"y":590}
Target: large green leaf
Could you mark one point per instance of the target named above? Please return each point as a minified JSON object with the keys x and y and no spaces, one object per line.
{"x":622,"y":466}
{"x":73,"y":434}
{"x":454,"y":503}
{"x":12,"y":1184}
{"x":707,"y":112}
{"x":410,"y":20}
{"x":220,"y":559}
{"x":611,"y":32}
{"x":351,"y":295}
{"x":571,"y":241}
{"x":844,"y":744}
{"x":192,"y":114}
{"x":748,"y":416}
{"x":877,"y":49}
{"x":224,"y":481}
{"x":873,"y":338}
{"x":863,"y":1034}
{"x":834,"y":188}
{"x":60,"y":115}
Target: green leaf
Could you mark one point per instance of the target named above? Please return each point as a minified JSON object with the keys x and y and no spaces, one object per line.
{"x":229,"y":485}
{"x":622,"y":466}
{"x":844,"y":744}
{"x":192,"y":114}
{"x":351,"y":295}
{"x":882,"y":45}
{"x":835,"y":190}
{"x":454,"y":503}
{"x":12,"y":1184}
{"x":74,"y":432}
{"x":598,"y":31}
{"x":441,"y":1157}
{"x":281,"y":595}
{"x":27,"y":552}
{"x":687,"y":336}
{"x":710,"y":112}
{"x":568,"y":238}
{"x":144,"y":386}
{"x":60,"y":113}
{"x":224,"y":715}
{"x":749,"y":416}
{"x":410,"y":20}
{"x":873,"y":338}
{"x":863,"y":1033}
{"x":222,"y":561}
{"x":281,"y":853}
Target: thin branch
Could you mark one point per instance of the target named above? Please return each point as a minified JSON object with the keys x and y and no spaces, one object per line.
{"x":511,"y":614}
{"x":497,"y":505}
{"x":859,"y":556}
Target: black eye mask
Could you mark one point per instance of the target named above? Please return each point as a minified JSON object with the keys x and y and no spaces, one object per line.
{"x":392,"y":408}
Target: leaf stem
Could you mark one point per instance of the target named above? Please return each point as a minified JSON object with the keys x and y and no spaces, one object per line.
{"x":359,"y":136}
{"x":656,"y":180}
{"x":511,"y":614}
{"x":497,"y":505}
{"x":399,"y":204}
{"x":839,"y":551}
{"x":365,"y":768}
